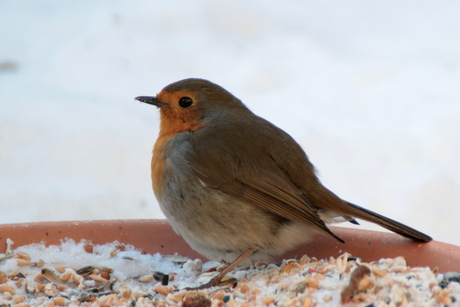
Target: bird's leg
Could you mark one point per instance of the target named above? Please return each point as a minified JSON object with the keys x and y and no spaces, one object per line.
{"x":217,"y":280}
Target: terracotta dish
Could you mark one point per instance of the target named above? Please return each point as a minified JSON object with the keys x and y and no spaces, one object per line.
{"x":154,"y":236}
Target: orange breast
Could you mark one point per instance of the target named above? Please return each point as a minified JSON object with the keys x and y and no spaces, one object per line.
{"x":171,"y":123}
{"x":159,"y":171}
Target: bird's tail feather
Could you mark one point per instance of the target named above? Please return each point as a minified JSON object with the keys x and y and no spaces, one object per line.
{"x":399,"y":228}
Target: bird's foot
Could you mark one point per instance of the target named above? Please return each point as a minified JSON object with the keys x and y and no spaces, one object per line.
{"x":216,"y":281}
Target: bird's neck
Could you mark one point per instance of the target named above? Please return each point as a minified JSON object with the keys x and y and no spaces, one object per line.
{"x":172,"y":125}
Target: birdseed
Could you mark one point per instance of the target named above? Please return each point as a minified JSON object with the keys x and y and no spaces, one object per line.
{"x":72,"y":274}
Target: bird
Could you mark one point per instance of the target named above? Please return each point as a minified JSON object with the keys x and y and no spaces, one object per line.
{"x":236,"y":187}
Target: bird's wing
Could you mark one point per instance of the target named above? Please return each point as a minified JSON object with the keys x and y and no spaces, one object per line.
{"x":266,"y":190}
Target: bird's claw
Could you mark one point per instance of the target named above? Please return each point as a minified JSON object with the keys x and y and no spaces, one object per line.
{"x":214,"y":282}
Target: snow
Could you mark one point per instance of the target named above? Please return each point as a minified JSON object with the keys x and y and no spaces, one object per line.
{"x":370,"y":90}
{"x":120,"y":275}
{"x":126,"y":264}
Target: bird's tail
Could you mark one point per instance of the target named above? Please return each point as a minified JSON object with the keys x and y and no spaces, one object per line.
{"x":399,"y":228}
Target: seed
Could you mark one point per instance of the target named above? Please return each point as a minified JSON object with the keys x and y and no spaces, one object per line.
{"x":121,"y":247}
{"x":244,"y":289}
{"x":50,"y":290}
{"x":105,"y":275}
{"x":342,"y":262}
{"x":71,"y":276}
{"x":39,"y":288}
{"x":22,"y":255}
{"x":146,"y":278}
{"x":379,"y":272}
{"x":18,"y":283}
{"x":23,"y":262}
{"x":107,"y":300}
{"x":97,"y":278}
{"x":62,"y":268}
{"x":40,"y":263}
{"x":164,"y":290}
{"x":60,"y":301}
{"x":39,"y":277}
{"x":312,"y":284}
{"x":85,"y":270}
{"x":18,"y":299}
{"x":105,"y":269}
{"x":320,"y":276}
{"x":12,"y":274}
{"x":268,"y":301}
{"x":326,"y":268}
{"x":289,"y":267}
{"x":139,"y":294}
{"x":7,"y":288}
{"x":88,"y":247}
{"x":78,"y":279}
{"x":125,"y":292}
{"x":9,"y":246}
{"x":127,"y":258}
{"x":159,"y":276}
{"x":304,"y":260}
{"x":178,"y":296}
{"x":176,"y":259}
{"x":51,"y":276}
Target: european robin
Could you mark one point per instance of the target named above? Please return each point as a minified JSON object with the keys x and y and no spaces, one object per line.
{"x":234,"y":185}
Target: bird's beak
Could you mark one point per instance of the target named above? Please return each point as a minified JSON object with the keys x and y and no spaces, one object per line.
{"x":151,"y":100}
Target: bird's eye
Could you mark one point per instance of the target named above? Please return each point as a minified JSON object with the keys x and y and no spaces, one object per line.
{"x":185,"y":102}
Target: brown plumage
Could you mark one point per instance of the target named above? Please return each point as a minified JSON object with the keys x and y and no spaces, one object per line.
{"x":232,"y":183}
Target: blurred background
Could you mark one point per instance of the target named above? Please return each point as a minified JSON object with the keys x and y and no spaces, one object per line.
{"x":371,"y":90}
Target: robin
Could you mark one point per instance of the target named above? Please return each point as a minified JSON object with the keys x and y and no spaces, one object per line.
{"x":236,"y":187}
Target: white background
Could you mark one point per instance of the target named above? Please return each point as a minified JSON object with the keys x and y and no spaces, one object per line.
{"x":370,"y":90}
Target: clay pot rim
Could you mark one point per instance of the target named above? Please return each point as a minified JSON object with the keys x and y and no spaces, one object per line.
{"x":154,"y":236}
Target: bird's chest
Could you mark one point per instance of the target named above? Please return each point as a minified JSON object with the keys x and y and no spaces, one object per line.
{"x":188,"y":203}
{"x":182,"y":197}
